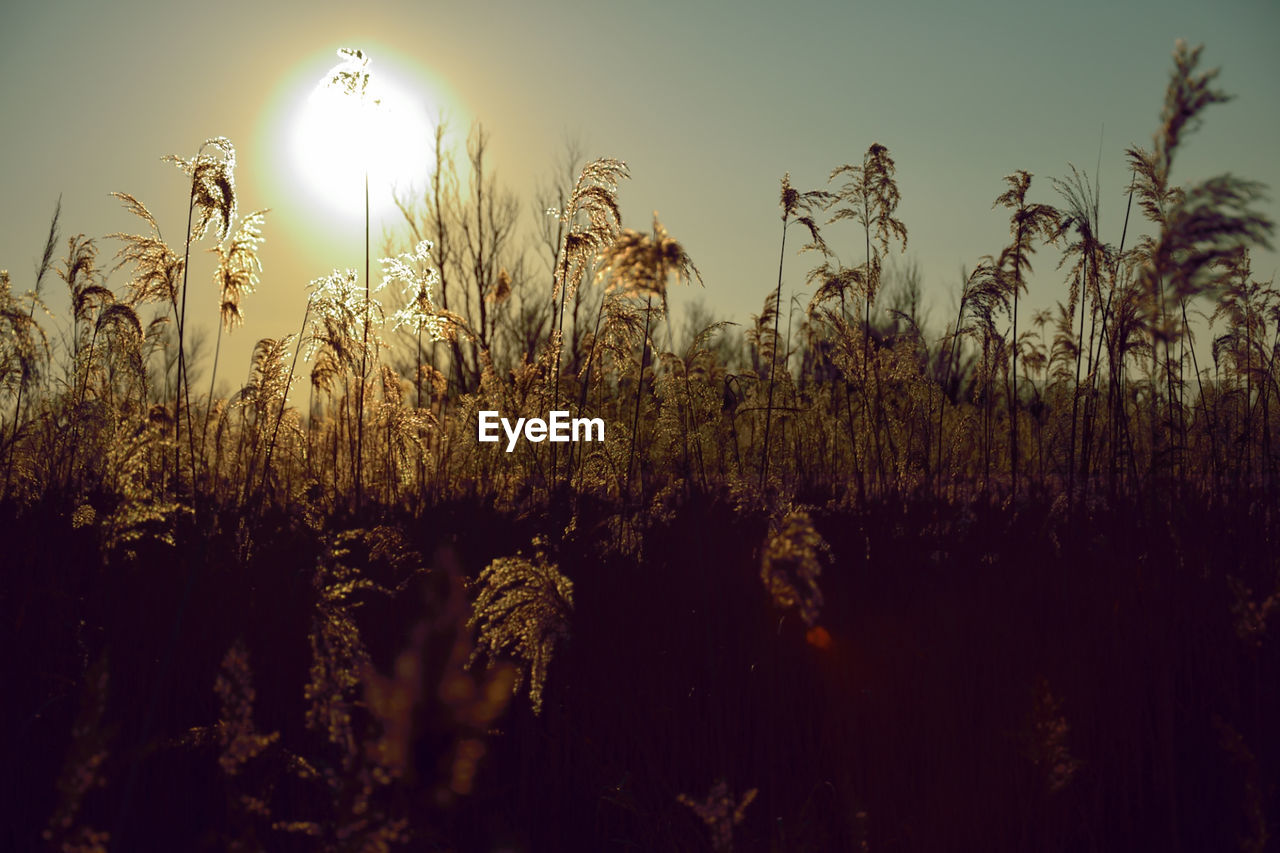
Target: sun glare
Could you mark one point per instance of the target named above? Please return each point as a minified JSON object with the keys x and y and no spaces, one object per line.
{"x":334,"y":136}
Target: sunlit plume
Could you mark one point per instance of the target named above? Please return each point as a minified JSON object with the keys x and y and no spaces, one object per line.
{"x":641,"y":264}
{"x":157,"y":269}
{"x":522,"y":612}
{"x":238,"y":267}
{"x":213,"y":186}
{"x":595,"y":199}
{"x":421,"y":280}
{"x":336,"y":334}
{"x":349,"y":76}
{"x":20,"y":338}
{"x":357,"y":121}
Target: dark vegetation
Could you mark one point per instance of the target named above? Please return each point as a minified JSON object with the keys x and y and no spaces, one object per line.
{"x":830,"y":584}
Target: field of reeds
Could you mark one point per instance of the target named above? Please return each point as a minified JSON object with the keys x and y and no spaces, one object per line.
{"x":833,"y":580}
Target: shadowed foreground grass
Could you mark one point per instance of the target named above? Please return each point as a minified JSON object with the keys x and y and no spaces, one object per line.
{"x":995,"y":678}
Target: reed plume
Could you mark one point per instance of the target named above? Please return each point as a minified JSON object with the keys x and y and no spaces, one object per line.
{"x":156,"y":268}
{"x":640,"y":264}
{"x":213,"y":187}
{"x":21,"y":343}
{"x":236,"y":276}
{"x":791,"y":564}
{"x":29,"y":367}
{"x":21,"y":339}
{"x":522,"y":611}
{"x":421,"y":281}
{"x":870,"y":197}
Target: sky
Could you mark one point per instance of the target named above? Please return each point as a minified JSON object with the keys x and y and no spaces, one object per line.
{"x":708,"y":103}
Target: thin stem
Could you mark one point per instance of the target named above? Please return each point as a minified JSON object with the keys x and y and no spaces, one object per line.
{"x":284,"y":396}
{"x":635,"y":421}
{"x":181,"y":317}
{"x":364,"y":351}
{"x":1013,"y":397}
{"x":208,"y":407}
{"x":773,"y":360}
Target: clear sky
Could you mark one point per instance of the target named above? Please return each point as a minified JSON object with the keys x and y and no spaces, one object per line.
{"x":709,"y":104}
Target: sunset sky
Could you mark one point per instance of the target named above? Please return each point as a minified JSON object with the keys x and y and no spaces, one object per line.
{"x":709,"y":104}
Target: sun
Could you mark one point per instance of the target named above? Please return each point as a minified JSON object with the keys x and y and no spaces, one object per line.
{"x":337,"y":135}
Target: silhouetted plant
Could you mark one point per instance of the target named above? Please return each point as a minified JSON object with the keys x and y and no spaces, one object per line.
{"x":1026,"y":223}
{"x":1248,"y":306}
{"x":1091,"y":257}
{"x":870,"y":198}
{"x":801,"y":206}
{"x":1199,"y":225}
{"x":640,"y":265}
{"x":691,"y":401}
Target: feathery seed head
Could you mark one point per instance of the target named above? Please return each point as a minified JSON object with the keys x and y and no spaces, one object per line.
{"x":1199,"y":224}
{"x":790,"y":197}
{"x":595,"y":198}
{"x":871,"y":196}
{"x":420,"y":279}
{"x":21,"y":338}
{"x":337,"y":306}
{"x":268,"y":373}
{"x":502,"y":290}
{"x":213,"y":188}
{"x":522,"y":611}
{"x":238,"y":267}
{"x":157,"y":269}
{"x":791,"y":564}
{"x":1186,"y":96}
{"x":640,"y":264}
{"x":350,"y":76}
